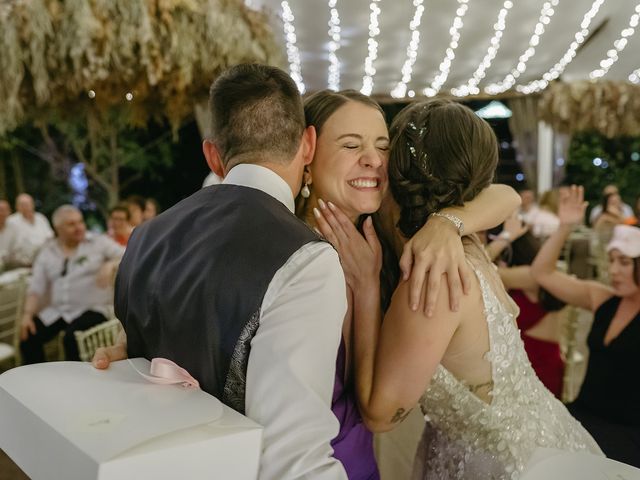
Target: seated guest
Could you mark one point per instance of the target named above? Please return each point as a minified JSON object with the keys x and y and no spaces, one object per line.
{"x":120,"y":229}
{"x":544,"y":221}
{"x":32,"y":228}
{"x":626,"y":210}
{"x":71,"y":286}
{"x":608,"y":404}
{"x":136,"y":205}
{"x":151,"y":209}
{"x":8,"y":236}
{"x":611,"y":213}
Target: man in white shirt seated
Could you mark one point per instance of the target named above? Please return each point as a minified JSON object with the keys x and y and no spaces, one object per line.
{"x":8,"y":236}
{"x":70,"y":288}
{"x":32,"y":228}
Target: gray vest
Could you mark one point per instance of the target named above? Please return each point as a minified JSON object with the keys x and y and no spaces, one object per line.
{"x":192,"y":281}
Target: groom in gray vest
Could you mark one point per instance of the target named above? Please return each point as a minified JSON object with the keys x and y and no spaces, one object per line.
{"x":231,"y":286}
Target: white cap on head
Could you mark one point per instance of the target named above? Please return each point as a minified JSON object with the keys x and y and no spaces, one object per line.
{"x":626,"y":239}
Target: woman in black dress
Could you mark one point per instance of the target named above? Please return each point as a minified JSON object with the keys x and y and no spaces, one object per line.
{"x":608,"y":404}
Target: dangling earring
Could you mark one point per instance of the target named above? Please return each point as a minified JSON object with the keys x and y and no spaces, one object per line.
{"x":305,"y":192}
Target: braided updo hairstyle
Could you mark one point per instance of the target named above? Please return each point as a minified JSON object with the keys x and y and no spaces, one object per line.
{"x":442,"y":155}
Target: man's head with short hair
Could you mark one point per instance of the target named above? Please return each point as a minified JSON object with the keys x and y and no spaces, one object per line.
{"x":119,"y":219}
{"x":257,"y":118}
{"x":257,"y":115}
{"x":610,"y":189}
{"x":69,"y":225}
{"x":25,"y":205}
{"x":136,"y":204}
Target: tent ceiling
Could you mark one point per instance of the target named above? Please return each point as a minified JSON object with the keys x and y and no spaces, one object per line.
{"x":312,"y":40}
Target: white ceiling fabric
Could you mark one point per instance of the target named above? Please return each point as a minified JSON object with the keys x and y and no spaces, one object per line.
{"x":481,"y":19}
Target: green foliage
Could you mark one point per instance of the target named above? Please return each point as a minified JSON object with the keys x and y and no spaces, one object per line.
{"x":621,"y":156}
{"x":38,"y":160}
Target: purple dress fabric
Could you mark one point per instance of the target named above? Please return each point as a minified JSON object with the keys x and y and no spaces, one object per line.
{"x":354,"y":444}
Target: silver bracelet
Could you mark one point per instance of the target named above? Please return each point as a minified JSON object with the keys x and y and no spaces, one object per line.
{"x":453,"y":219}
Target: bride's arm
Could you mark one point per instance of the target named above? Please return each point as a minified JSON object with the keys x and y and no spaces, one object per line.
{"x":394,"y":362}
{"x":436,"y":248}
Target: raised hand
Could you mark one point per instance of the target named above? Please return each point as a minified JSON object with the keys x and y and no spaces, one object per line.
{"x":360,"y":256}
{"x":572,"y":207}
{"x":434,"y":250}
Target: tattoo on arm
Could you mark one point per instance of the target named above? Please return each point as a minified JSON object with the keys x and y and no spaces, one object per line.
{"x":400,"y":415}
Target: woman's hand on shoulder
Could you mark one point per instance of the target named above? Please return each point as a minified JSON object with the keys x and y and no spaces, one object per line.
{"x":435,"y":250}
{"x":360,"y":256}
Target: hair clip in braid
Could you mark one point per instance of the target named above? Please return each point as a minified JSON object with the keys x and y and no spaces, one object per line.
{"x":423,"y":163}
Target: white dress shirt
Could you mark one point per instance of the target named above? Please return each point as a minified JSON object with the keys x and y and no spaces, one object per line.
{"x":31,"y":236}
{"x":291,"y":368}
{"x":71,"y":284}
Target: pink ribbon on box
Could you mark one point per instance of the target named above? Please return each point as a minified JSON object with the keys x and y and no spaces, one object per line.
{"x":166,"y":372}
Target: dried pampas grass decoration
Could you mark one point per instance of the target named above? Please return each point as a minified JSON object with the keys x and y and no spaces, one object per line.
{"x":611,"y":108}
{"x":86,"y":55}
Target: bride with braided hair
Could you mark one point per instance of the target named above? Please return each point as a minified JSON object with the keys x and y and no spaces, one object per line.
{"x":486,"y":410}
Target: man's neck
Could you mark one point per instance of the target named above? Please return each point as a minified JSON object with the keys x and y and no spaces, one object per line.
{"x":29,"y":218}
{"x":285,"y":172}
{"x":68,"y":247}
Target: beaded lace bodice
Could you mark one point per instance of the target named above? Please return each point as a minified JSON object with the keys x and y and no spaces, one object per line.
{"x":467,"y":438}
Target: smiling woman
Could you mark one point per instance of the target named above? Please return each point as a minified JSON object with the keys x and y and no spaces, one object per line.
{"x":353,"y":144}
{"x":349,"y":169}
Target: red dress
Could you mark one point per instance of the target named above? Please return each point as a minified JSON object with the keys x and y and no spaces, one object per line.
{"x":544,"y":355}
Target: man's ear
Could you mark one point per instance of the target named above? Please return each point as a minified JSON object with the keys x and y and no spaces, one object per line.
{"x":308,"y":144}
{"x":213,"y":157}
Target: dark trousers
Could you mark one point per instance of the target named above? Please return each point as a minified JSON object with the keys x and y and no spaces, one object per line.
{"x":32,"y":348}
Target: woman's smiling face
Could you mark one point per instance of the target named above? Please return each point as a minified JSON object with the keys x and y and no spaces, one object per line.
{"x":350,"y":163}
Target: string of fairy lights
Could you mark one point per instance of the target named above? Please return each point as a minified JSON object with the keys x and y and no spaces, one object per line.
{"x":618,"y":46}
{"x":372,"y":48}
{"x":471,"y":87}
{"x":445,"y":65}
{"x":510,"y":79}
{"x":555,"y":71}
{"x":400,"y":90}
{"x":293,"y":54}
{"x":334,"y":46}
{"x":403,"y":87}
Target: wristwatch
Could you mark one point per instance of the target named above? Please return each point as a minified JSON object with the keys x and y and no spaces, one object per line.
{"x":453,"y":219}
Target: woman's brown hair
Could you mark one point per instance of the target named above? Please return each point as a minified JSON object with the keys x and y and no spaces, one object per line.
{"x":442,"y":155}
{"x":321,"y":105}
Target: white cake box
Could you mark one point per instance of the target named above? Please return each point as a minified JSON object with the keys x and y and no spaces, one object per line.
{"x":68,"y":421}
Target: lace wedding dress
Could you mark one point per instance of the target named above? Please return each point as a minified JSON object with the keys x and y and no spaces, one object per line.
{"x":468,"y":438}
